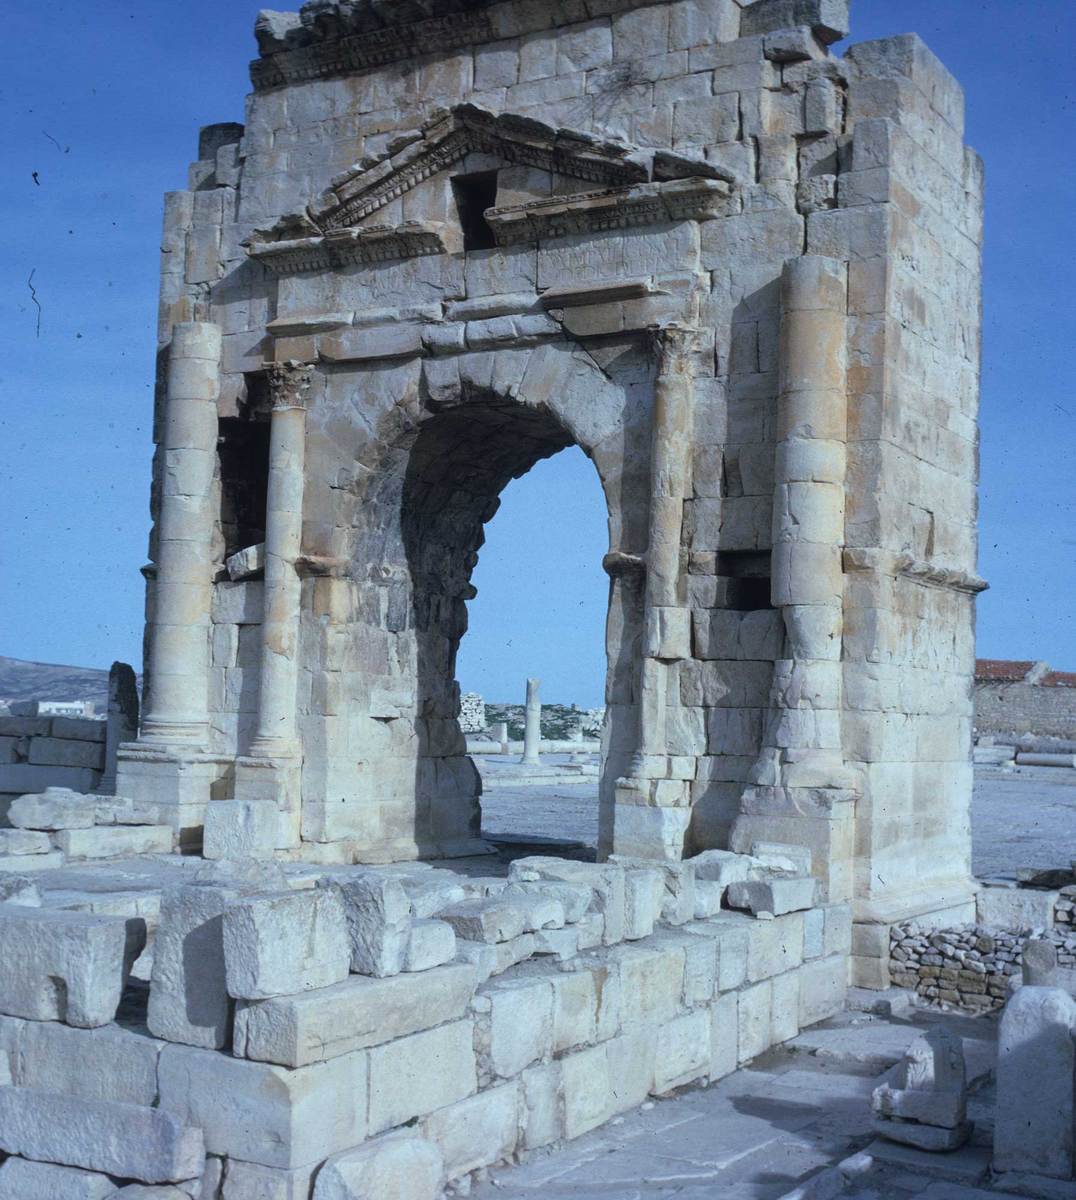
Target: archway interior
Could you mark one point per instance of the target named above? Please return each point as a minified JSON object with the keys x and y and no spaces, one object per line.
{"x":461,"y":460}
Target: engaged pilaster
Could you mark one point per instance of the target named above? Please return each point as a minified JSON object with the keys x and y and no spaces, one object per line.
{"x":178,"y":666}
{"x":801,"y":788}
{"x":652,"y":802}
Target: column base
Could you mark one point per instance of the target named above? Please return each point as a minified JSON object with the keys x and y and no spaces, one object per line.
{"x":178,"y":782}
{"x":276,"y":781}
{"x":822,"y":819}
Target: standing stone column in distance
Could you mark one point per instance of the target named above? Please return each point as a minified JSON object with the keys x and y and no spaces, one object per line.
{"x":276,"y":732}
{"x":178,"y":659}
{"x":532,"y":723}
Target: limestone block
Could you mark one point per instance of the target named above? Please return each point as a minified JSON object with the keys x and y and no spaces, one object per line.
{"x":431,"y":891}
{"x":631,"y":1062}
{"x":574,"y":898}
{"x":54,"y":808}
{"x":252,"y":1181}
{"x":928,"y":1086}
{"x":682,"y":1051}
{"x":141,"y":1191}
{"x":516,"y":950}
{"x":776,"y":896}
{"x":109,"y":1063}
{"x":119,"y":810}
{"x":588,"y":1100}
{"x":429,"y":944}
{"x":488,"y":920}
{"x":785,"y":1009}
{"x":270,"y":1115}
{"x":641,"y":831}
{"x":399,"y":1165}
{"x":477,"y":1132}
{"x":378,"y":923}
{"x":19,"y":889}
{"x":65,"y":966}
{"x":778,"y":856}
{"x":188,"y":999}
{"x":678,"y":886}
{"x":774,"y":947}
{"x":236,"y":829}
{"x":754,"y":1014}
{"x":651,"y":983}
{"x":1033,"y":1124}
{"x":724,"y":1035}
{"x":126,"y":1140}
{"x":823,"y":985}
{"x":297,"y":1030}
{"x":723,"y":867}
{"x":276,"y":945}
{"x":416,"y":1075}
{"x":814,"y":926}
{"x":117,"y":841}
{"x":644,"y":891}
{"x":563,"y":944}
{"x":521,"y":1024}
{"x":21,"y":1179}
{"x":14,"y":842}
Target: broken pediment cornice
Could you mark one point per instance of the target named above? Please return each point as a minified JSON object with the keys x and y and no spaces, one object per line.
{"x":329,"y":232}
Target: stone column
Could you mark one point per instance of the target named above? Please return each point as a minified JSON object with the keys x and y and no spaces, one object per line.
{"x":802,"y":760}
{"x":532,"y":723}
{"x":178,"y":659}
{"x":652,"y":802}
{"x":276,"y":732}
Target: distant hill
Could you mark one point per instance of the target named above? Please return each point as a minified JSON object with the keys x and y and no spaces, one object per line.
{"x":22,"y":680}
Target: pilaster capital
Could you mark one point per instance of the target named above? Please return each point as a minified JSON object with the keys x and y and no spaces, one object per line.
{"x":673,"y":345}
{"x":289,"y":383}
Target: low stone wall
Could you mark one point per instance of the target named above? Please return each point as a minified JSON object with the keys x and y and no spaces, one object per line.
{"x":41,"y":752}
{"x":970,"y":967}
{"x":329,"y":1028}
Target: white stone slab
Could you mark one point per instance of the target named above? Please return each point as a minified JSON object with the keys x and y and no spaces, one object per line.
{"x":126,"y":1140}
{"x":54,"y":808}
{"x":115,"y":841}
{"x":284,"y":943}
{"x":65,"y":966}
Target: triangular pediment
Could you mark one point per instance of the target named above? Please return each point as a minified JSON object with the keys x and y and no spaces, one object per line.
{"x":344,"y":224}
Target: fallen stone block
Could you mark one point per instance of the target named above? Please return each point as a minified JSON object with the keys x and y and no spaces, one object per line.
{"x":431,"y":891}
{"x":398,"y":1165}
{"x":923,"y":1103}
{"x":21,"y":1179}
{"x":54,"y":808}
{"x":708,"y":897}
{"x":644,"y":892}
{"x":429,"y":944}
{"x":115,"y":841}
{"x":267,"y":1114}
{"x":378,"y":914}
{"x":773,"y":896}
{"x":1033,"y":1122}
{"x":606,"y":880}
{"x":480,"y":955}
{"x":23,"y":841}
{"x":485,"y":920}
{"x":724,"y":867}
{"x":65,"y":966}
{"x":678,"y":886}
{"x":562,"y":944}
{"x":125,"y":1140}
{"x":779,"y":856}
{"x":19,"y":889}
{"x":515,"y":951}
{"x":575,"y":898}
{"x":296,"y":1030}
{"x":284,"y":943}
{"x":188,"y":998}
{"x":119,"y":810}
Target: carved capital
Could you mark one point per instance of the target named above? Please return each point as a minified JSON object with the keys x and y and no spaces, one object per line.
{"x":289,"y":383}
{"x":673,"y":346}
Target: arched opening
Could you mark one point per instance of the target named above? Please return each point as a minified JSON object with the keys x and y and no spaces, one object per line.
{"x":460,"y":462}
{"x":540,"y":611}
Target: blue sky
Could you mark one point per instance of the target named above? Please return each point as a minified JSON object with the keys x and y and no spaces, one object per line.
{"x":103,"y":102}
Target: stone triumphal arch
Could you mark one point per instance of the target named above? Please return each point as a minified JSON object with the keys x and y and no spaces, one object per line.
{"x":740,"y":274}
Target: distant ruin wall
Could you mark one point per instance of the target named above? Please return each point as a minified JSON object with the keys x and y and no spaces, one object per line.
{"x":1024,"y":697}
{"x":41,"y":752}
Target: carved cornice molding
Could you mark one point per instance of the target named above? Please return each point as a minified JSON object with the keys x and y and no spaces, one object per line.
{"x":289,"y":383}
{"x":615,"y":208}
{"x":348,"y":247}
{"x":885,"y":562}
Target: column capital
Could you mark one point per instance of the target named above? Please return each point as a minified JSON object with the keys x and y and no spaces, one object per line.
{"x":673,"y":345}
{"x":289,"y":383}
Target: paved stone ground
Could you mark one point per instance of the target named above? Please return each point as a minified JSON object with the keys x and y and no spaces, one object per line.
{"x":1021,"y":818}
{"x":760,"y":1132}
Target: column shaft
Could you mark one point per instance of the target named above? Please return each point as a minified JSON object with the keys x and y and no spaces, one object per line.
{"x":532,"y":723}
{"x":276,"y":735}
{"x":178,"y":666}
